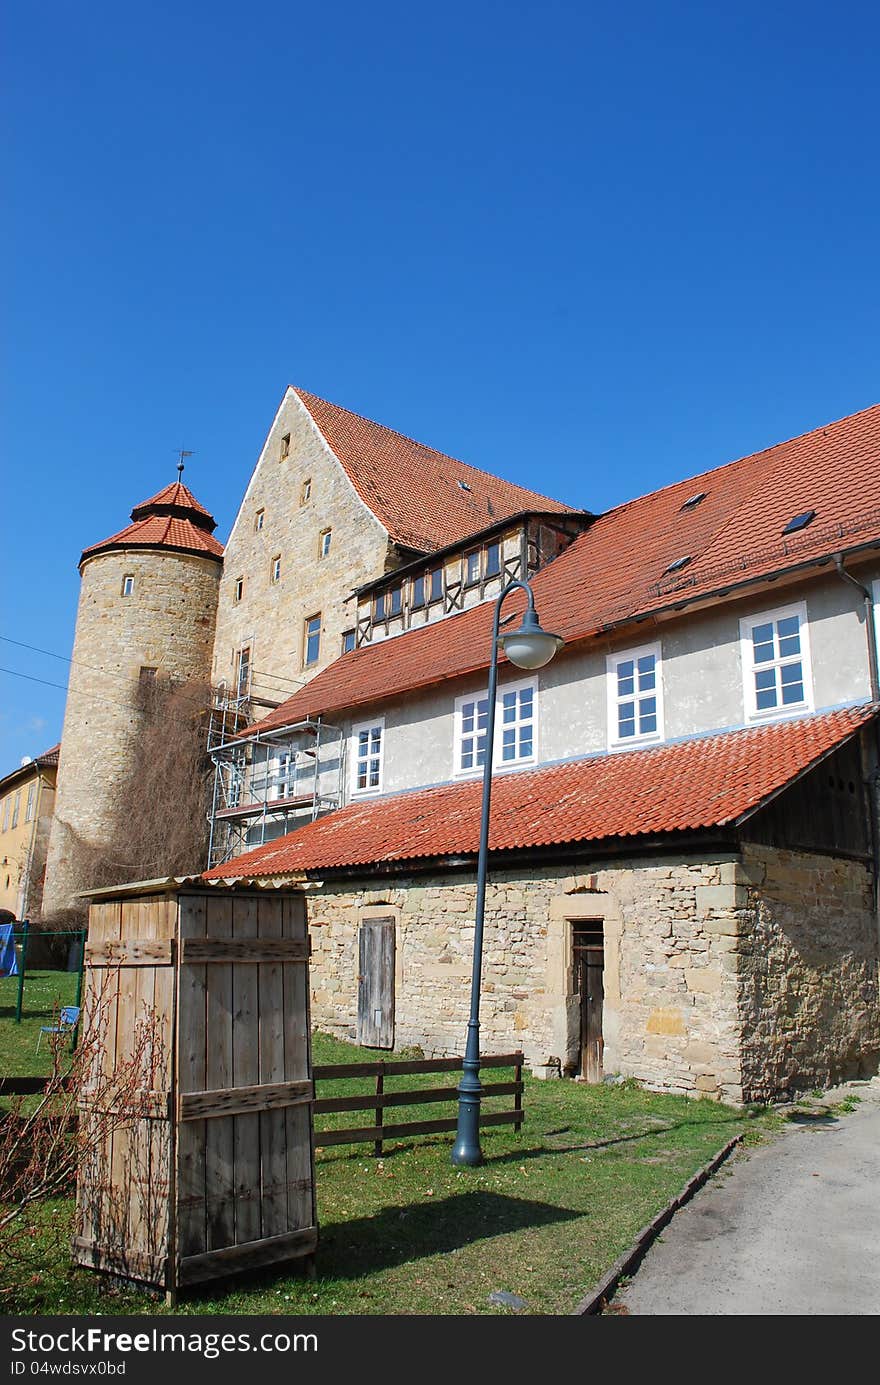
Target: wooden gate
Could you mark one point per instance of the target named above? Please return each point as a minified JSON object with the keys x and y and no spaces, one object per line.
{"x":212,"y":1172}
{"x":376,"y":949}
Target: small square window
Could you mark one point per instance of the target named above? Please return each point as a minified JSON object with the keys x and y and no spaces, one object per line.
{"x":258,"y":520}
{"x":305,"y":493}
{"x":238,"y":590}
{"x":312,"y":642}
{"x":275,"y":569}
{"x":285,"y":446}
{"x":326,"y":538}
{"x":128,"y":584}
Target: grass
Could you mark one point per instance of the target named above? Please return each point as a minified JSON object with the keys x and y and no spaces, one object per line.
{"x":44,"y":994}
{"x":546,"y":1214}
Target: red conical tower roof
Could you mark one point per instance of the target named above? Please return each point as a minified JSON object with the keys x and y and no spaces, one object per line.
{"x":172,"y":519}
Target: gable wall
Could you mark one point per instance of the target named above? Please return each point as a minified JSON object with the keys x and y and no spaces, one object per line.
{"x":270,"y":617}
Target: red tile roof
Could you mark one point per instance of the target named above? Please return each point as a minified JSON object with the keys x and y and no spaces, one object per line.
{"x":49,"y":757}
{"x":614,"y":572}
{"x":692,"y":785}
{"x":412,"y":489}
{"x":171,"y":519}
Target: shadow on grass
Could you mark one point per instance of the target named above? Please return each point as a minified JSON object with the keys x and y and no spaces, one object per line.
{"x":396,"y":1235}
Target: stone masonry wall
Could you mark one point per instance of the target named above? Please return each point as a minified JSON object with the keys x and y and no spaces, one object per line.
{"x":726,"y":977}
{"x":166,"y":623}
{"x":270,"y":616}
{"x":670,"y":1016}
{"x":808,"y":972}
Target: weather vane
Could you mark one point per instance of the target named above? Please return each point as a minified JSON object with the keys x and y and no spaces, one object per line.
{"x":182,"y":452}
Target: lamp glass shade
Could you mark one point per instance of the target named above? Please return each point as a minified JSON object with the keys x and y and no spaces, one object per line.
{"x":530,"y":646}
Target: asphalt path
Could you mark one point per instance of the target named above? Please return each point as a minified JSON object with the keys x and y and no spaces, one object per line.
{"x":790,"y":1228}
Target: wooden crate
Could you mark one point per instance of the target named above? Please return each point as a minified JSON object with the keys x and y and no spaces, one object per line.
{"x":214,"y":1172}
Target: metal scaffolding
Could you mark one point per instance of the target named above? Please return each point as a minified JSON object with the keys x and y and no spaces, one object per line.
{"x":268,"y":783}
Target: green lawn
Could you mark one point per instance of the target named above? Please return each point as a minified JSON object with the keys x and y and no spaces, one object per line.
{"x":547,"y":1213}
{"x":44,"y":994}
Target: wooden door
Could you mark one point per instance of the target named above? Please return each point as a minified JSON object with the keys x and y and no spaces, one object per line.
{"x":589,"y":965}
{"x":375,"y":1020}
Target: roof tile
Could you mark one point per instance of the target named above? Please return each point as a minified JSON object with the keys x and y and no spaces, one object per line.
{"x":688,"y":786}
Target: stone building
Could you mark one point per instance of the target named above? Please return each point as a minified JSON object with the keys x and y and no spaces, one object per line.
{"x":684,"y":844}
{"x":27,"y":802}
{"x":147,"y":608}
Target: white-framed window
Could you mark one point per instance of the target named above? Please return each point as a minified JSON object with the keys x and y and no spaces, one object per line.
{"x":259,"y":519}
{"x":275,"y":569}
{"x":472,"y":568}
{"x":311,"y":639}
{"x":31,"y":800}
{"x":280,"y":777}
{"x":775,"y":649}
{"x":128,"y":584}
{"x":368,"y":741}
{"x":326,"y":539}
{"x":243,"y":671}
{"x":516,"y":727}
{"x":635,"y":697}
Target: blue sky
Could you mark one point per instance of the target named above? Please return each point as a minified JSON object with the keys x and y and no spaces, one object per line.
{"x":594,"y":248}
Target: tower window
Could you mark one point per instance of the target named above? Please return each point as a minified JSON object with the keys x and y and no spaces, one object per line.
{"x":305,"y":493}
{"x":312,"y":639}
{"x":326,"y":537}
{"x":243,"y":671}
{"x":348,"y":641}
{"x":258,"y":520}
{"x":146,"y":676}
{"x":127,"y":584}
{"x":275,"y":569}
{"x":238,"y":590}
{"x":285,"y":446}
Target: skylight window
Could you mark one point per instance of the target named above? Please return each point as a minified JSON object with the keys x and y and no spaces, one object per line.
{"x":799,"y":522}
{"x":694,"y":500}
{"x":463,"y":485}
{"x":678,"y":564}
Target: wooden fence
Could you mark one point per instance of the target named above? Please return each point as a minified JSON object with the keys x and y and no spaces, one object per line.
{"x":381,"y":1101}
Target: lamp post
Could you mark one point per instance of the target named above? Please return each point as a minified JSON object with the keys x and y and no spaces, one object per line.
{"x":527,"y":647}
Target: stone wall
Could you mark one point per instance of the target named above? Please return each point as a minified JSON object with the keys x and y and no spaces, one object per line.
{"x":807,"y":971}
{"x":270,"y":616}
{"x":701,"y":966}
{"x":167,"y":623}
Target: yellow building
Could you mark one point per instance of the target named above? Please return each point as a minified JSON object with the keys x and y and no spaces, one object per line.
{"x":27,"y":802}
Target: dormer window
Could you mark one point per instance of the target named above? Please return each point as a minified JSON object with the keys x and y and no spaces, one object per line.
{"x":128,"y":585}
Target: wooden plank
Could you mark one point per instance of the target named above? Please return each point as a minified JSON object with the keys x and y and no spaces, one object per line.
{"x":328,"y":1072}
{"x":367,"y":1134}
{"x":145,"y":1105}
{"x":298,"y":1125}
{"x":245,"y":1072}
{"x":132,"y":1265}
{"x":135,"y":952}
{"x":116,"y":1228}
{"x":417,"y":1097}
{"x":244,"y":949}
{"x":271,"y":1250}
{"x":235,"y":1101}
{"x":191,"y":1073}
{"x":219,"y":1153}
{"x":270,"y":1022}
{"x":161,"y":1134}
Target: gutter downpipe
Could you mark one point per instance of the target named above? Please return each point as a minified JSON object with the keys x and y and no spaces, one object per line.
{"x":873,"y":777}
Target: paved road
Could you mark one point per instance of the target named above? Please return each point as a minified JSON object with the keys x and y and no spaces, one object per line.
{"x":793,"y":1228}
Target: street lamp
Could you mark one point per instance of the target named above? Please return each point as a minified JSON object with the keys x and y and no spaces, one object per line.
{"x":527,"y":647}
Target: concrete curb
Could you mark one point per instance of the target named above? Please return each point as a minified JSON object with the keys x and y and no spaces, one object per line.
{"x":596,"y":1299}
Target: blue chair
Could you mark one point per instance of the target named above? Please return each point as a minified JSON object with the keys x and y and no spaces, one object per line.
{"x":68,"y":1019}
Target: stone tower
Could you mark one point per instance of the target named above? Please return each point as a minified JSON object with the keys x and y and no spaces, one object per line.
{"x":147,"y":607}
